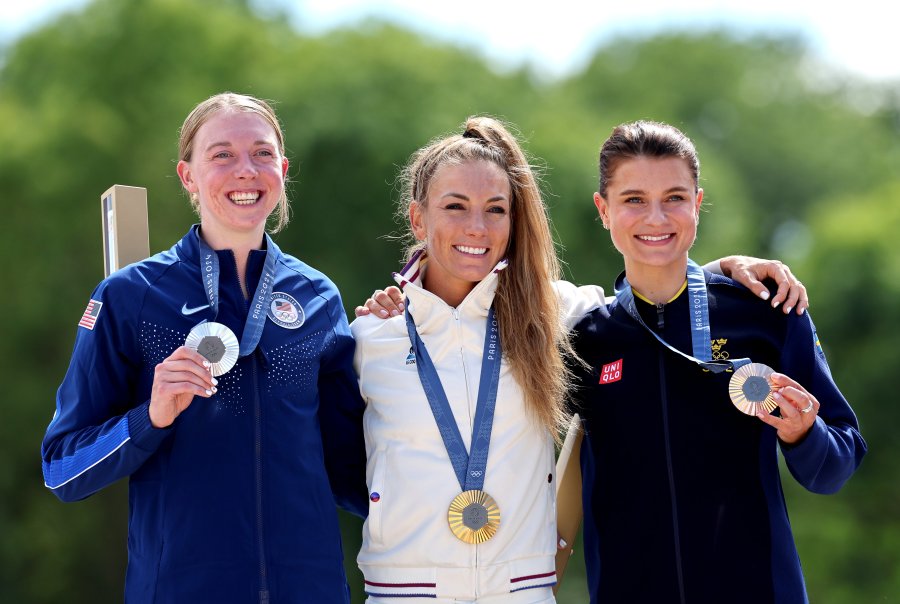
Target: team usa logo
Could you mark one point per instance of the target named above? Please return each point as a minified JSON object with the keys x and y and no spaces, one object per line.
{"x":611,"y":372}
{"x":285,"y":311}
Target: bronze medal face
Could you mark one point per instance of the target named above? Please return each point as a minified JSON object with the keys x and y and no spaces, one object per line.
{"x":217,"y":344}
{"x":474,"y":516}
{"x":750,"y":390}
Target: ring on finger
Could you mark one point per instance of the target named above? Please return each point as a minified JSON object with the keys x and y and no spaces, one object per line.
{"x":807,"y":408}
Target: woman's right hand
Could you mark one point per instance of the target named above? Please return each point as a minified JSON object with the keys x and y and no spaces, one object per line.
{"x":384,"y":303}
{"x":176,"y":381}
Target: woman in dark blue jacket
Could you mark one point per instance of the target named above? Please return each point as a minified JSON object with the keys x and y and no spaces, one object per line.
{"x":682,"y":495}
{"x":204,"y":374}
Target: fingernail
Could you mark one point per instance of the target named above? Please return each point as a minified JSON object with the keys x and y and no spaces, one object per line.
{"x":775,"y":304}
{"x":383,"y":313}
{"x":206,"y":363}
{"x":776,"y":395}
{"x":562,"y":543}
{"x":214,"y":389}
{"x":764,"y":295}
{"x":209,"y":393}
{"x":215,"y":382}
{"x":401,"y":306}
{"x":788,"y":309}
{"x":395,"y":313}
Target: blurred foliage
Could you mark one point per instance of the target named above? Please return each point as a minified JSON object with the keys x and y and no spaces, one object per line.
{"x":798,"y":160}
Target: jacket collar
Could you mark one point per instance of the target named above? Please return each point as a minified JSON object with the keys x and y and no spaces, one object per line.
{"x":188,"y":249}
{"x":477,"y":302}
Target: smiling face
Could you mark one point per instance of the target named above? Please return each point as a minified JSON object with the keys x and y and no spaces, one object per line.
{"x":465,"y":223}
{"x":652,"y":208}
{"x":237,"y":173}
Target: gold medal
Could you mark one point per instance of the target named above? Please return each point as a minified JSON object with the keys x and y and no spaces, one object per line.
{"x":474,"y":516}
{"x":217,"y":344}
{"x":750,"y":389}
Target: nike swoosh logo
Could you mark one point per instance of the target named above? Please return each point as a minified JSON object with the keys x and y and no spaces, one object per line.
{"x":189,"y":311}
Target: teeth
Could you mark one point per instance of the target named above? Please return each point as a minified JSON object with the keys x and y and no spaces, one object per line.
{"x":478,"y":251}
{"x":653,"y":238}
{"x":244,"y":199}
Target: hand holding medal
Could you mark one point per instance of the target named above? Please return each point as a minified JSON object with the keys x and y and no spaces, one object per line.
{"x":217,"y":344}
{"x":797,"y":406}
{"x":176,"y":381}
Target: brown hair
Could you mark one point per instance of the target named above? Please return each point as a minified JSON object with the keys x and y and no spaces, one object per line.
{"x":645,"y":139}
{"x":230,"y":101}
{"x":526,"y":305}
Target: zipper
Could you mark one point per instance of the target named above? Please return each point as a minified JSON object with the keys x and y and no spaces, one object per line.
{"x":245,"y":291}
{"x":258,"y":478}
{"x":664,"y":402}
{"x":462,"y":361}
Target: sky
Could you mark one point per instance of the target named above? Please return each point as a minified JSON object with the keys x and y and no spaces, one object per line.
{"x":558,"y":36}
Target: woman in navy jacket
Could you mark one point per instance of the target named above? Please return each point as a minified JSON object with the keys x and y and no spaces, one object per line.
{"x":682,"y":495}
{"x":229,"y":496}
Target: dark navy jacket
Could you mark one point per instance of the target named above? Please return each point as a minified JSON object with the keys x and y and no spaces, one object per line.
{"x":682,"y":496}
{"x":232,"y":503}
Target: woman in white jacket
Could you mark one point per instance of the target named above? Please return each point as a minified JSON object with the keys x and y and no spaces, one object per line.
{"x":480,"y":528}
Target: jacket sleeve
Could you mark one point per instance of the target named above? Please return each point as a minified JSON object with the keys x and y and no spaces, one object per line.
{"x":575,"y":302}
{"x":832,"y":450}
{"x":341,"y":417}
{"x":99,"y":432}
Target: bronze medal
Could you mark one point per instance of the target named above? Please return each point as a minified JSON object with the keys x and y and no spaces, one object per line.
{"x":750,"y":389}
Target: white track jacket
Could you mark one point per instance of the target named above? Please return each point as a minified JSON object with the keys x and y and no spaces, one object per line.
{"x":408,"y":549}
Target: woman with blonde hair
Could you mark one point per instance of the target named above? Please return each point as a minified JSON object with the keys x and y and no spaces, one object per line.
{"x":217,"y":377}
{"x":465,"y":392}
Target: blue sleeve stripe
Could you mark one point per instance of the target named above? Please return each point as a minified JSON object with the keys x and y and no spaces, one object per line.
{"x":60,"y":472}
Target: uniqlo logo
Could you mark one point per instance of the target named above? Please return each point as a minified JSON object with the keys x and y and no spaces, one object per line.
{"x":611,"y":372}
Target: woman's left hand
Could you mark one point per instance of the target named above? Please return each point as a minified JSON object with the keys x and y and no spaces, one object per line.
{"x":751,"y":272}
{"x":384,"y":303}
{"x":798,"y":409}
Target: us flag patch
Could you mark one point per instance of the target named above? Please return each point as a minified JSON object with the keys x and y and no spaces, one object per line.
{"x":611,"y":372}
{"x":89,"y":318}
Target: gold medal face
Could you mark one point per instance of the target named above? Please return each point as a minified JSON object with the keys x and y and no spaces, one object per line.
{"x":750,"y":389}
{"x":217,"y":344}
{"x":474,"y":516}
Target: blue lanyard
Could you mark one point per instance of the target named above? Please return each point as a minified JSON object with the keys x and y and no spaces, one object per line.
{"x":256,"y":318}
{"x":699,"y":316}
{"x":469,"y":468}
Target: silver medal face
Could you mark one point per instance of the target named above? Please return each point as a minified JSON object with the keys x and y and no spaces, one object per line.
{"x":217,"y":344}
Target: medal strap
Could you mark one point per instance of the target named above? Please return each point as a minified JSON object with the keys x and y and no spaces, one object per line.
{"x":470,"y":467}
{"x":701,"y":344}
{"x":256,"y":317}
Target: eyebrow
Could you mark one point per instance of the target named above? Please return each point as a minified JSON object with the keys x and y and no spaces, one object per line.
{"x":642,"y":192}
{"x":229,"y":144}
{"x":466,"y":198}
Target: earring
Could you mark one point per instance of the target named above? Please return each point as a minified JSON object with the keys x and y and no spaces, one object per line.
{"x":605,"y":224}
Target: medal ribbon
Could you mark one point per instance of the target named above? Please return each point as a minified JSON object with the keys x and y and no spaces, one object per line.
{"x":256,"y":318}
{"x":699,"y":317}
{"x":469,"y":467}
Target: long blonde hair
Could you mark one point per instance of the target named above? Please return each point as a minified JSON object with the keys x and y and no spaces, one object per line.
{"x":526,"y":305}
